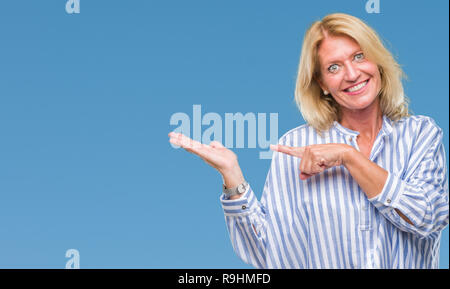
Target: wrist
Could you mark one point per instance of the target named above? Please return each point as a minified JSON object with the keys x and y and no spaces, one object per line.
{"x":235,"y":192}
{"x":232,"y":176}
{"x":348,"y":155}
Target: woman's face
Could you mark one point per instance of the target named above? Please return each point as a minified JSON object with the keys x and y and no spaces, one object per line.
{"x":353,"y":81}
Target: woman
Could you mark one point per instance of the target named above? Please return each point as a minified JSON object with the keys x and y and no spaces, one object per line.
{"x":362,"y":185}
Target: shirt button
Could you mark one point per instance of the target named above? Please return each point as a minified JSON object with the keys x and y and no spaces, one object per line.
{"x":388,"y":201}
{"x":350,"y":139}
{"x":244,"y":207}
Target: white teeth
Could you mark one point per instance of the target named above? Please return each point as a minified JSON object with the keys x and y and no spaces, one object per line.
{"x":357,"y":87}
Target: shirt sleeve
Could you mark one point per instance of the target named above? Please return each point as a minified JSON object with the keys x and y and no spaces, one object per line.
{"x":256,"y":226}
{"x":421,"y":193}
{"x":246,"y":223}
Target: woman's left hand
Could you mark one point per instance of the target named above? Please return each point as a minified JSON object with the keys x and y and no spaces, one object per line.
{"x":316,"y":158}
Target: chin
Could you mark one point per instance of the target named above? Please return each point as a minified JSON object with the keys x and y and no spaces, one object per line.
{"x":361,"y":104}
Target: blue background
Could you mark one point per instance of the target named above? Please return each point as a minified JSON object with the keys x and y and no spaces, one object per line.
{"x":85,"y":103}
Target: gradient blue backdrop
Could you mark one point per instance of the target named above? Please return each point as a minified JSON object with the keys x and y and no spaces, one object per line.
{"x":85,"y":103}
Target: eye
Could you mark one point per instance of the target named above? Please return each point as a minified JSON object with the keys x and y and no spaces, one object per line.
{"x":359,"y":57}
{"x":333,"y":68}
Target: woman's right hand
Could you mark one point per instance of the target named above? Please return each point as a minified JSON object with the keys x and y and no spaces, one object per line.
{"x":215,"y":154}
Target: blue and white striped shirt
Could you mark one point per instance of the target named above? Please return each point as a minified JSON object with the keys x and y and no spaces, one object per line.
{"x":328,"y":222}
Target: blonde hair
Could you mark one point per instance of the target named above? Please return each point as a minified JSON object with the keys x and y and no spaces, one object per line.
{"x":319,"y":110}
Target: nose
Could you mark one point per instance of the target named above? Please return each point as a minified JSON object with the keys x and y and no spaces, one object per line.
{"x":352,"y":73}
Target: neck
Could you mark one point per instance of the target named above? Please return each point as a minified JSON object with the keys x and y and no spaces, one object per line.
{"x":366,"y":121}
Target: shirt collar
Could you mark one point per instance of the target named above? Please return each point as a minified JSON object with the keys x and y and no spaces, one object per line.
{"x":386,"y":128}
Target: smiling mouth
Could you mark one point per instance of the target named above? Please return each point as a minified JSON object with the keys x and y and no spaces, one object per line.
{"x":357,"y":87}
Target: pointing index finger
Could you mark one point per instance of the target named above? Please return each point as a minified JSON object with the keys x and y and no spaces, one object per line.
{"x":293,"y":151}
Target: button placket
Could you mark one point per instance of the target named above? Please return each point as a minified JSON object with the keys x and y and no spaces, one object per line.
{"x":365,"y":218}
{"x":351,"y":140}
